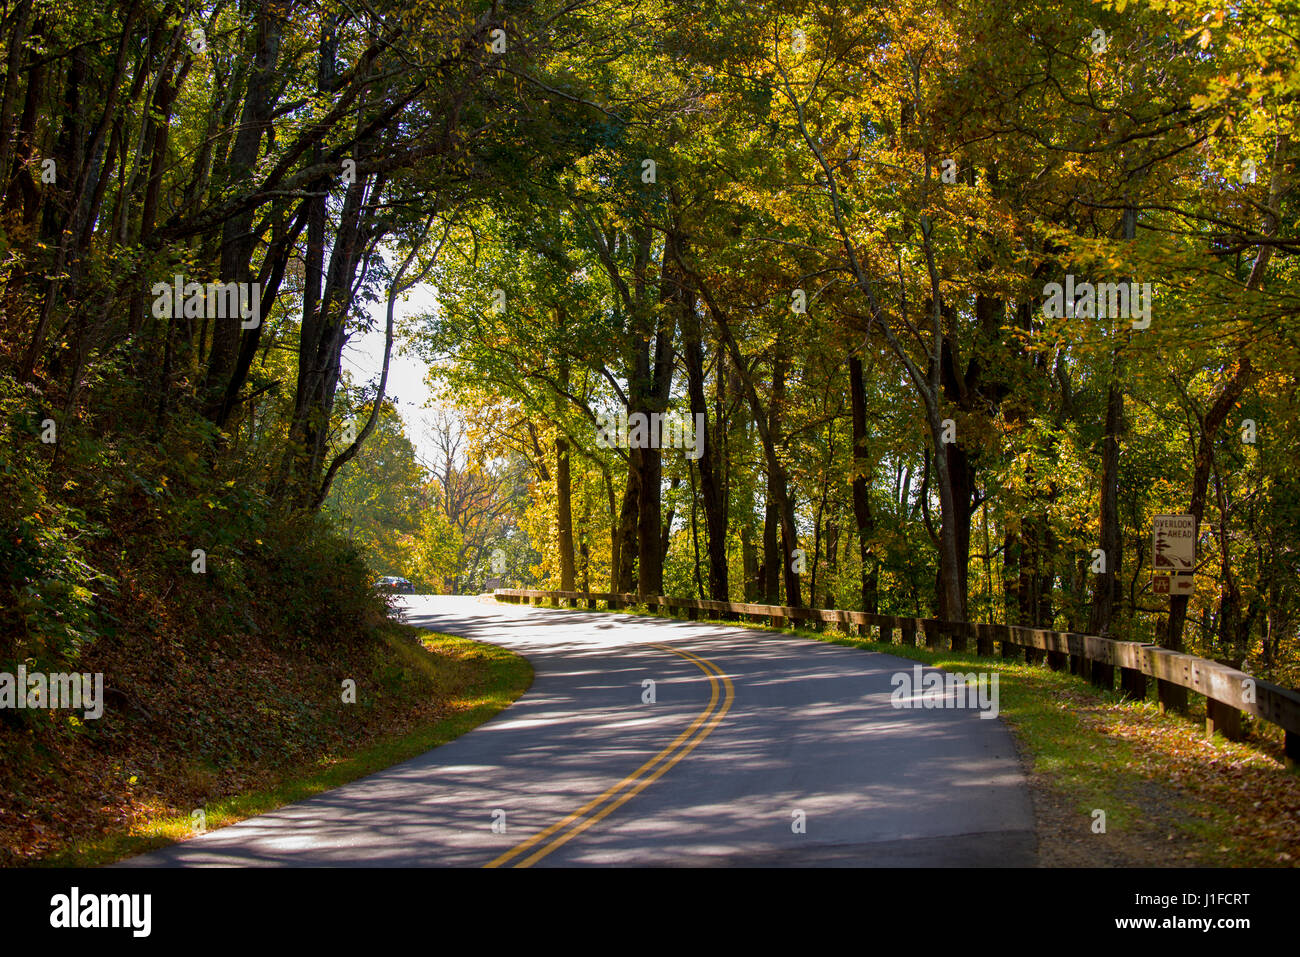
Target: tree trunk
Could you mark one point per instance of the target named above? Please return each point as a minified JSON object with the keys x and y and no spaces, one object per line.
{"x":627,"y":541}
{"x":771,"y":568}
{"x":1108,"y":587}
{"x":769,"y":431}
{"x":563,"y":514}
{"x":715,"y":513}
{"x":832,"y":562}
{"x":862,"y":472}
{"x":237,"y":239}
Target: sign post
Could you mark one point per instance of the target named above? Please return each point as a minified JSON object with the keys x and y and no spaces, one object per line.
{"x":1173,"y":563}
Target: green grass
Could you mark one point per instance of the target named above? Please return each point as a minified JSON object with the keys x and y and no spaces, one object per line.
{"x":497,"y":677}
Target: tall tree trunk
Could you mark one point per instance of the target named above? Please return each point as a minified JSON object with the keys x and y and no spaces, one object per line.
{"x":832,"y":562}
{"x":615,"y":534}
{"x":768,"y":424}
{"x":771,"y":567}
{"x":778,"y":485}
{"x":563,"y":487}
{"x":863,"y":469}
{"x":563,"y":514}
{"x":659,"y":379}
{"x":627,"y":540}
{"x":237,"y":239}
{"x":962,"y":477}
{"x":1234,"y":624}
{"x":749,"y":561}
{"x":715,"y":513}
{"x":1107,"y":585}
{"x":650,"y":580}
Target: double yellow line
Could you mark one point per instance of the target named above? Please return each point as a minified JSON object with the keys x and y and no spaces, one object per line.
{"x":563,"y":831}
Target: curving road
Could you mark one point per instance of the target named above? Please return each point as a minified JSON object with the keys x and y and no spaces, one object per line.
{"x":750,"y":735}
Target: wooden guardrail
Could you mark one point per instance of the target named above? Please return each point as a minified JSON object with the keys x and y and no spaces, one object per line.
{"x":1228,"y":692}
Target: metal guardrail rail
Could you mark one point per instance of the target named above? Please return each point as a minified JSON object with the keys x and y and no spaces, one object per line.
{"x":1228,"y":692}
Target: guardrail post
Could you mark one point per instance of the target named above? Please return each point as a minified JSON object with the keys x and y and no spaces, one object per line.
{"x":1291,"y":750}
{"x":1133,"y":683}
{"x":1222,"y":718}
{"x":984,"y":640}
{"x":1171,"y":697}
{"x":1103,"y":673}
{"x":931,"y":633}
{"x":909,"y":633}
{"x":958,"y":637}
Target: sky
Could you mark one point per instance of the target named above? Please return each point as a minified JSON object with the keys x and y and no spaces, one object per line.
{"x":408,"y":390}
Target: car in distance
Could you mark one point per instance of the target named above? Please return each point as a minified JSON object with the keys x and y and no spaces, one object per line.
{"x":394,"y":584}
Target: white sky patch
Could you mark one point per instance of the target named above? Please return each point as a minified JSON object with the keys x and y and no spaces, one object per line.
{"x":408,"y":388}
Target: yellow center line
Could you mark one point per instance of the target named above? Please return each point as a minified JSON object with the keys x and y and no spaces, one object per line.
{"x":704,"y":665}
{"x":709,"y":668}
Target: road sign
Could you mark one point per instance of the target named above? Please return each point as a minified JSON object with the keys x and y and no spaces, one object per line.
{"x":1173,"y":554}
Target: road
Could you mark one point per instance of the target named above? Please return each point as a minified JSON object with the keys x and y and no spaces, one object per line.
{"x":759,"y":749}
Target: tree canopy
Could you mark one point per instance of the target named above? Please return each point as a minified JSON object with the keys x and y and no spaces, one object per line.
{"x":943,"y":303}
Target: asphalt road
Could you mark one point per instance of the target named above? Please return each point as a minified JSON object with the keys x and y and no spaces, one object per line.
{"x":759,"y":750}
